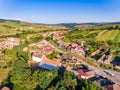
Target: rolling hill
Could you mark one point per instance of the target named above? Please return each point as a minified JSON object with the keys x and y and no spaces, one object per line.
{"x":16,"y":26}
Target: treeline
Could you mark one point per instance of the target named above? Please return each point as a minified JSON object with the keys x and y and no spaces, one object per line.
{"x":113,"y":27}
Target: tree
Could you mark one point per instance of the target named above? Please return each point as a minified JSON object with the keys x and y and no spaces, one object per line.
{"x":53,"y":54}
{"x":68,"y":82}
{"x":117,"y":27}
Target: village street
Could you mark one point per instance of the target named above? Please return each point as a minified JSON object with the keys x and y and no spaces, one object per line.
{"x":115,"y":78}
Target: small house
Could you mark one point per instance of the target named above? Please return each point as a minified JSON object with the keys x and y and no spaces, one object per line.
{"x":86,"y":74}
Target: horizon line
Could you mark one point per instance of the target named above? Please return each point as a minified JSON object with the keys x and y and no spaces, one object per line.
{"x":59,"y":22}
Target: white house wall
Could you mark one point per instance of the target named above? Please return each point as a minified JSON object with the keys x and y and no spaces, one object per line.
{"x":36,"y":59}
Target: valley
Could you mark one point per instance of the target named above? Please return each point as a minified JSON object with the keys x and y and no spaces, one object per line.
{"x":27,"y":50}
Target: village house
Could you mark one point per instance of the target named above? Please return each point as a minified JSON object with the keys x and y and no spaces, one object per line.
{"x":37,"y":57}
{"x":106,"y":59}
{"x":48,"y":64}
{"x":44,"y":62}
{"x":68,"y":59}
{"x":48,"y":49}
{"x":79,"y":51}
{"x":85,"y":74}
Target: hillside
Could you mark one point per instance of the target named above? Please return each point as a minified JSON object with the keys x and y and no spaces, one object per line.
{"x":113,"y":35}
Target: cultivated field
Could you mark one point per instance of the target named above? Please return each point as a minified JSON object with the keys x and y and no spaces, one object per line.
{"x":113,"y":35}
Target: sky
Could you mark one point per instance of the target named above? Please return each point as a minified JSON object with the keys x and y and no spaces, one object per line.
{"x":61,"y":11}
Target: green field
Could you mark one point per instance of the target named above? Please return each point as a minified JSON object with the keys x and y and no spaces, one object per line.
{"x":113,"y":35}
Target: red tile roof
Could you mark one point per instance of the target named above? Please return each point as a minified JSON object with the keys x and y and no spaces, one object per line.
{"x":81,"y":72}
{"x":86,"y":73}
{"x":52,"y":62}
